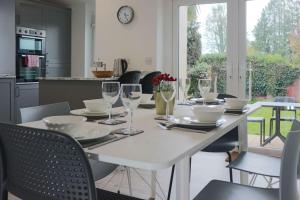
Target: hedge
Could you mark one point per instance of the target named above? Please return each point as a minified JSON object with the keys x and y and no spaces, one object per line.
{"x":271,"y":74}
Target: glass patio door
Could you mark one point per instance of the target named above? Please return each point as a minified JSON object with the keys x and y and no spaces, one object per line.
{"x":205,"y":43}
{"x":272,"y":58}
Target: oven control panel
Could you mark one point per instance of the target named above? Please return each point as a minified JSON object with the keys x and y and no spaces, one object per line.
{"x":30,"y":32}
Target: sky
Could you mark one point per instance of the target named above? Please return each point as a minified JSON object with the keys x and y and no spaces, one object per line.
{"x":254,"y":10}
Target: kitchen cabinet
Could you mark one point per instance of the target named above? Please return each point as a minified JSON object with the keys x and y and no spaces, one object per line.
{"x":7,"y":100}
{"x":57,"y":23}
{"x":8,"y":37}
{"x":58,"y":70}
{"x":29,"y":15}
{"x":58,"y":41}
{"x":27,"y":95}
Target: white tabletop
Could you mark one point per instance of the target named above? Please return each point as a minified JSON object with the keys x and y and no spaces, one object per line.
{"x":156,"y":148}
{"x":278,"y":104}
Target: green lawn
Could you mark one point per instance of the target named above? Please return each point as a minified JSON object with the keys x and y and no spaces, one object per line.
{"x":253,"y":128}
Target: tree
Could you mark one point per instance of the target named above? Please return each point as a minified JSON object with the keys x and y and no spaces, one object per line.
{"x":294,"y":39}
{"x":278,"y":19}
{"x":216,"y":27}
{"x":194,"y":38}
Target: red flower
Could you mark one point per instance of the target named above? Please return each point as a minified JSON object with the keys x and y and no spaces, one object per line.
{"x":162,"y":77}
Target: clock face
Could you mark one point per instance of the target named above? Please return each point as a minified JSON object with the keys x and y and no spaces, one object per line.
{"x":125,"y":14}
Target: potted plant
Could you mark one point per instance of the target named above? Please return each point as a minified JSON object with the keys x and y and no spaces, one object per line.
{"x":160,"y":103}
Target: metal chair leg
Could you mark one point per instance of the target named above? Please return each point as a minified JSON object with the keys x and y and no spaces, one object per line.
{"x":230,"y":170}
{"x":171,"y":182}
{"x":261,"y":133}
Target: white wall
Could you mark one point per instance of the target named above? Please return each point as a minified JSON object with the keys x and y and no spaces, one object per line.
{"x":78,"y":39}
{"x":144,"y":39}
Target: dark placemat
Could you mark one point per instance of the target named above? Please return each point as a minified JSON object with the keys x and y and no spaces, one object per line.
{"x":147,"y":106}
{"x":236,"y":112}
{"x":89,"y":143}
{"x":199,"y":128}
{"x":120,"y":132}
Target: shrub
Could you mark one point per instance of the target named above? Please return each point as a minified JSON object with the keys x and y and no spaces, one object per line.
{"x":271,"y":74}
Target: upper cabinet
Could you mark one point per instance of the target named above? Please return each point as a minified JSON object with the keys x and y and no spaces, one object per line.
{"x":29,"y":15}
{"x":7,"y":39}
{"x":58,"y":41}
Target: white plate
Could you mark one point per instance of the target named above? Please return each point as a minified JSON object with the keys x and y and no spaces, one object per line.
{"x":194,"y":122}
{"x":86,"y":113}
{"x":64,"y":119}
{"x":90,"y":131}
{"x":148,"y":103}
{"x":227,"y":108}
{"x":200,"y":100}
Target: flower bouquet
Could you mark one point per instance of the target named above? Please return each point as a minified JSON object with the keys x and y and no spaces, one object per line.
{"x":160,"y":103}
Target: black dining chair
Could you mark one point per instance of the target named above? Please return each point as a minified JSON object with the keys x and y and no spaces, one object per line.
{"x":225,"y":144}
{"x":261,"y":165}
{"x":131,"y":77}
{"x":3,"y":192}
{"x":36,"y":113}
{"x":288,"y":187}
{"x":47,"y":165}
{"x":99,"y":169}
{"x":147,"y":82}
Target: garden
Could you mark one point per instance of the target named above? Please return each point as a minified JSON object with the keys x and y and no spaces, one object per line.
{"x":273,"y":54}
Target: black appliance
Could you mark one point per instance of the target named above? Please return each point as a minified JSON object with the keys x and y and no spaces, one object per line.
{"x":30,"y":44}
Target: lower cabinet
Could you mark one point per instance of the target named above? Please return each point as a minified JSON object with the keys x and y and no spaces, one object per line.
{"x":7,"y":100}
{"x":27,"y":95}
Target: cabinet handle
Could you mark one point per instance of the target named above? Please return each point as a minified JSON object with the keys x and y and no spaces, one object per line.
{"x":17,"y":91}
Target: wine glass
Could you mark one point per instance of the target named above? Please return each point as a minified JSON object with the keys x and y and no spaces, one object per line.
{"x":168,"y":91}
{"x":131,"y":96}
{"x":204,"y":87}
{"x":185,"y":84}
{"x":110,"y":93}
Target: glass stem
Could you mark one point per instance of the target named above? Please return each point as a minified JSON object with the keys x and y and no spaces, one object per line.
{"x":110,"y":112}
{"x":130,"y":120}
{"x":167,"y":110}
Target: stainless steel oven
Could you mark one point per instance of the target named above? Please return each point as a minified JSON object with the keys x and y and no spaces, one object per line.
{"x":30,"y":41}
{"x":31,"y":54}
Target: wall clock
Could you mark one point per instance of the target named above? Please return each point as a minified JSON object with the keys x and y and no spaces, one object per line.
{"x":125,"y":14}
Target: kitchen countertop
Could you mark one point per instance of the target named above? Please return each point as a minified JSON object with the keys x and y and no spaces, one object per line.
{"x":6,"y":76}
{"x":76,"y":79}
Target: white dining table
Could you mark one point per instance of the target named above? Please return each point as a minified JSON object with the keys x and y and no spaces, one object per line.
{"x":158,"y":149}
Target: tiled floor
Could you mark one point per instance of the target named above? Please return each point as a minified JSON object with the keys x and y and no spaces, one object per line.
{"x":205,"y":167}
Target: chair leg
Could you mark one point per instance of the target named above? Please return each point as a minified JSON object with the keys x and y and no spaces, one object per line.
{"x":190,"y":168}
{"x":261,"y":134}
{"x":230,"y":170}
{"x":171,"y":182}
{"x":271,"y":128}
{"x":264,"y":131}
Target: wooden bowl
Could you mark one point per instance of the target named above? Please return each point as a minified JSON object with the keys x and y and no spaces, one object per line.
{"x":103,"y":74}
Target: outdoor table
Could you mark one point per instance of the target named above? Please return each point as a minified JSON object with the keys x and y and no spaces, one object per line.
{"x":278,"y":107}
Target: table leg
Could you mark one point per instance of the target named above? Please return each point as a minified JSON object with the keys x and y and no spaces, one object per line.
{"x":153,"y":184}
{"x":243,"y":146}
{"x":182,"y":179}
{"x":277,"y":127}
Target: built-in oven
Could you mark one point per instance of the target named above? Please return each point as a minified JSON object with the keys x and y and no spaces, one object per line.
{"x":31,"y":54}
{"x":30,"y":41}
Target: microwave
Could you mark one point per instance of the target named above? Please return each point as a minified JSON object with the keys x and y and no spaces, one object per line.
{"x":30,"y":41}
